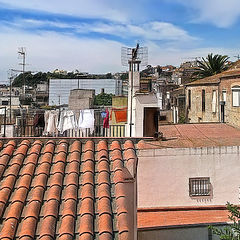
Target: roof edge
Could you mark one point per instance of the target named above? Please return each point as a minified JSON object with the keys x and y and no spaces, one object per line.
{"x":183,"y":208}
{"x":194,"y":225}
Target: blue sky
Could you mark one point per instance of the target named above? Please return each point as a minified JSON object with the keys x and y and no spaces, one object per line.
{"x":88,"y":34}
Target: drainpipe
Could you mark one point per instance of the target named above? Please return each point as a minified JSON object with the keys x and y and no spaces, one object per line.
{"x":219,"y":107}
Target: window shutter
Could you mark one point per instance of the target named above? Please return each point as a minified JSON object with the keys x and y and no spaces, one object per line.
{"x":235,"y":98}
{"x":224,"y":96}
{"x":214,"y":101}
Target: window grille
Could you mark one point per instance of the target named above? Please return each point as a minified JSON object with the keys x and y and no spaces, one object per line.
{"x":199,"y":186}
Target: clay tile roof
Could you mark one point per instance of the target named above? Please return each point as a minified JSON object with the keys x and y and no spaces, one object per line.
{"x":66,"y":189}
{"x":234,"y":70}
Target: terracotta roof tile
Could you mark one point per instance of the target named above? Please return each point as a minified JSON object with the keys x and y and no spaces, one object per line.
{"x":8,"y":150}
{"x":128,"y":145}
{"x":89,"y":155}
{"x":87,"y":178}
{"x":129,"y":154}
{"x":1,"y":144}
{"x":65,"y":189}
{"x":67,"y":227}
{"x":104,"y":191}
{"x":88,"y":166}
{"x":89,"y":146}
{"x":115,"y":145}
{"x":105,"y":224}
{"x":103,"y":166}
{"x":102,"y":145}
{"x":86,"y":226}
{"x":232,"y":71}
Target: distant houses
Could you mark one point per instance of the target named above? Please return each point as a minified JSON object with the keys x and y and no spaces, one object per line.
{"x":215,"y":98}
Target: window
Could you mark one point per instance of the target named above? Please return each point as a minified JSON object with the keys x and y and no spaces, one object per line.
{"x":214,"y":101}
{"x":189,"y":99}
{"x":224,"y":95}
{"x":144,"y":87}
{"x":236,"y":96}
{"x":4,"y":103}
{"x":203,"y":100}
{"x":199,"y":186}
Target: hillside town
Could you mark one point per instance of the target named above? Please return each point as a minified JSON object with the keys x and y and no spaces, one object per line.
{"x":111,"y":125}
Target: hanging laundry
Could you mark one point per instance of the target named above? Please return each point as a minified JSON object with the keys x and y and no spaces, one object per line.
{"x":110,"y":115}
{"x":51,"y":120}
{"x":103,"y":114}
{"x":38,"y":120}
{"x":2,"y":111}
{"x":67,"y":121}
{"x":86,"y":119}
{"x":106,"y":120}
{"x":120,"y":114}
{"x":46,"y":116}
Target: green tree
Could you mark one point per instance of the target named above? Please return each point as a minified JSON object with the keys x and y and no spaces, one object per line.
{"x":30,"y":79}
{"x":124,"y":76}
{"x":211,"y":65}
{"x":103,"y":99}
{"x":231,"y":232}
{"x":109,"y":76}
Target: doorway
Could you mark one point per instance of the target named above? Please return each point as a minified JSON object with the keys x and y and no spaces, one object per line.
{"x":150,"y":121}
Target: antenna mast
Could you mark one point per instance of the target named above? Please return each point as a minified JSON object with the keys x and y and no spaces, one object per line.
{"x":133,"y":57}
{"x":22,"y":55}
{"x":238,"y":57}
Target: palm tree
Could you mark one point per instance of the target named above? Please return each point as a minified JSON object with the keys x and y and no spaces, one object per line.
{"x":211,"y":65}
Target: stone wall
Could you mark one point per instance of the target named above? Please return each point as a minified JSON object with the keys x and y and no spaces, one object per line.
{"x":232,"y":114}
{"x":195,"y":114}
{"x":81,"y":99}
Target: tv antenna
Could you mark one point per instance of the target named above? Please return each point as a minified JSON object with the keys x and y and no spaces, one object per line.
{"x":22,"y":55}
{"x":237,"y":56}
{"x":133,"y":57}
{"x":138,"y":54}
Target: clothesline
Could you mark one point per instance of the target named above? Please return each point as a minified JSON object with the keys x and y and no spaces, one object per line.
{"x":59,"y":121}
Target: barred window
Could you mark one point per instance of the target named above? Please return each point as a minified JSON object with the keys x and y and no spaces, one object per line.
{"x":199,"y":186}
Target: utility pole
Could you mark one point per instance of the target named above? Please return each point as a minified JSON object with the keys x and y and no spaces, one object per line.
{"x":22,"y":54}
{"x":11,"y":77}
{"x":10,"y":95}
{"x":238,"y":57}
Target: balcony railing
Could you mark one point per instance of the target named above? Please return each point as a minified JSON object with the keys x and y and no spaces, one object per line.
{"x":99,"y":131}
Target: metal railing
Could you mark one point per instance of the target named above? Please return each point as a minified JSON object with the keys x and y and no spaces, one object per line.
{"x":28,"y":131}
{"x":99,"y":131}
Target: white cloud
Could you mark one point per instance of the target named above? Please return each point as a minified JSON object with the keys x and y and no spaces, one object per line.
{"x":221,"y":13}
{"x":150,"y":31}
{"x":48,"y":51}
{"x":162,"y":55}
{"x":103,"y":9}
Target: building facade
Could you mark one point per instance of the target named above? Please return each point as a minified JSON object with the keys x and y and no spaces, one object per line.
{"x":59,"y":89}
{"x":215,"y":98}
